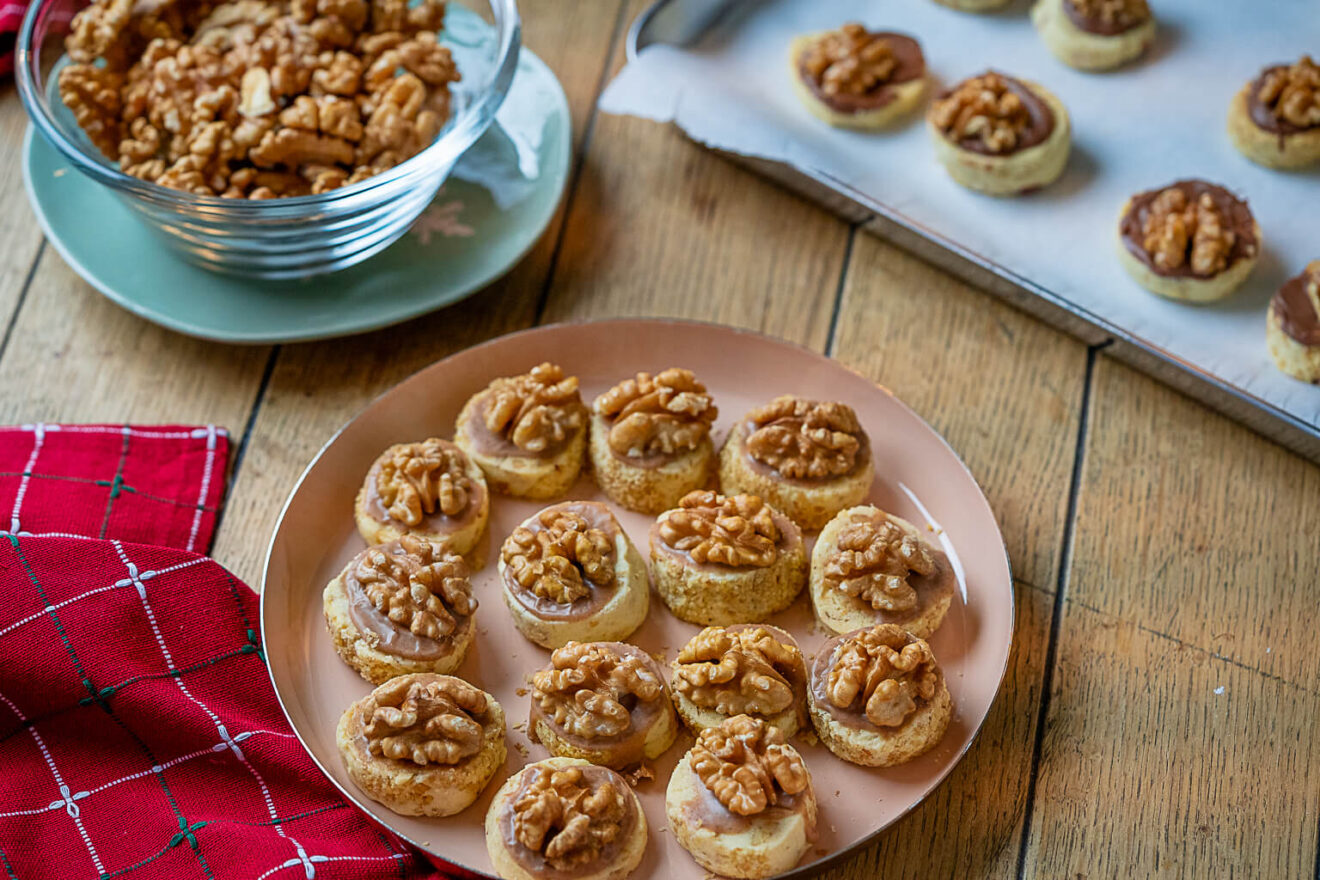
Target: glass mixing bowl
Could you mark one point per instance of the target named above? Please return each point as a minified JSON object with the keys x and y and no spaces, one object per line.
{"x":291,"y":237}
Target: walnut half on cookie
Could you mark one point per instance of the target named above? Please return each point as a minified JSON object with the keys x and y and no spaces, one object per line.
{"x":401,"y":607}
{"x":877,"y":696}
{"x":650,"y":439}
{"x":723,"y":560}
{"x":1095,"y":34}
{"x":430,"y":489}
{"x":741,"y":800}
{"x":855,"y":78}
{"x":870,"y":567}
{"x":423,"y":745}
{"x":604,"y":702}
{"x":527,"y":433}
{"x":1191,"y":240}
{"x":999,"y":135}
{"x":746,"y":669}
{"x":808,"y":458}
{"x":564,"y":817}
{"x":1275,"y":119}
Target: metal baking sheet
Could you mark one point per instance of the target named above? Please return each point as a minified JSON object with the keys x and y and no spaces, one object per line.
{"x":684,"y":22}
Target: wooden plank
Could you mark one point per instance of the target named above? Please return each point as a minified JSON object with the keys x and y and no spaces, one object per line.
{"x":1191,"y":525}
{"x":1161,"y":759}
{"x":317,"y":387}
{"x":76,"y":357}
{"x":1004,"y":389}
{"x":20,"y":236}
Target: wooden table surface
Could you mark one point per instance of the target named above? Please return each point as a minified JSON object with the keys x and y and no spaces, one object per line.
{"x":1161,"y":710}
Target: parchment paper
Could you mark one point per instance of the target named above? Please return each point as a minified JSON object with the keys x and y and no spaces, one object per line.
{"x":1138,"y":128}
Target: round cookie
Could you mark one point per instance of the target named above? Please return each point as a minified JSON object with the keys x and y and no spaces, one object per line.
{"x":401,"y":608}
{"x":718,"y":560}
{"x":1024,"y":148}
{"x":430,"y":489}
{"x":570,"y":573}
{"x":562,"y":782}
{"x":1077,"y":37}
{"x":855,"y":78}
{"x":1269,"y":125}
{"x":423,"y":744}
{"x":871,"y":567}
{"x":1158,"y":233}
{"x":878,"y":697}
{"x":527,"y":433}
{"x":1292,"y":326}
{"x":768,"y":681}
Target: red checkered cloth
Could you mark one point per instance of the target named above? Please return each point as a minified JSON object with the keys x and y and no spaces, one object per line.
{"x":139,"y":733}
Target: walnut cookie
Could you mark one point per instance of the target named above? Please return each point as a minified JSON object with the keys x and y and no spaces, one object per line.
{"x":400,"y":608}
{"x":570,"y":574}
{"x":429,"y":489}
{"x":564,"y":817}
{"x":650,"y":439}
{"x":855,"y":78}
{"x":878,"y":697}
{"x":807,"y":458}
{"x":1293,"y":326}
{"x":1275,"y":119}
{"x":258,"y":99}
{"x":423,"y":745}
{"x":723,"y":560}
{"x":1095,"y":34}
{"x":604,"y":702}
{"x":869,"y":567}
{"x":999,"y":135}
{"x":1191,"y":240}
{"x":741,"y":800}
{"x":747,"y":669}
{"x":527,"y":433}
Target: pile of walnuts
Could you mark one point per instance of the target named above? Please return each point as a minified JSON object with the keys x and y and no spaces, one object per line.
{"x":1179,"y":230}
{"x":985,"y":109}
{"x":566,"y":818}
{"x":874,"y":562}
{"x":736,"y":531}
{"x":584,"y":688}
{"x":744,"y":671}
{"x":556,"y":561}
{"x":418,"y":479}
{"x":258,"y":98}
{"x":746,"y":764}
{"x":439,"y":721}
{"x":667,"y":413}
{"x":1293,"y":93}
{"x":422,"y":589}
{"x":882,"y":671}
{"x":849,"y":61}
{"x":805,"y":439}
{"x":537,"y":411}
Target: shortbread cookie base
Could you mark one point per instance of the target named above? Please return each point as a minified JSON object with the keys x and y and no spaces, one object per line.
{"x":707,"y":596}
{"x":647,"y":490}
{"x":699,"y":718}
{"x":410,"y":790}
{"x":769,"y":846}
{"x":1082,"y":49}
{"x":1287,"y":152}
{"x":506,"y":867}
{"x":907,"y":97}
{"x":1186,"y":288}
{"x":1292,"y":357}
{"x":879,"y":747}
{"x":810,"y":506}
{"x":1016,"y":173}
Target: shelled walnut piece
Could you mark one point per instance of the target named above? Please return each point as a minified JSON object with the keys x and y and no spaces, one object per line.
{"x":1113,"y":14}
{"x":258,"y":98}
{"x":736,"y":531}
{"x":424,"y":589}
{"x":537,"y":411}
{"x":585,"y":687}
{"x":805,"y":439}
{"x":1179,"y":231}
{"x":874,"y":563}
{"x":566,"y":819}
{"x":556,"y":561}
{"x":1292,"y":93}
{"x":746,"y":764}
{"x":667,"y":413}
{"x":849,"y":61}
{"x":884,"y":670}
{"x":983,"y":108}
{"x":433,"y":722}
{"x":418,"y":479}
{"x":737,"y":672}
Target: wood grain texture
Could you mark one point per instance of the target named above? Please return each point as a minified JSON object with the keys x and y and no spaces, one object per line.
{"x":20,"y":236}
{"x":316,"y":387}
{"x":1163,"y":760}
{"x":1003,"y":389}
{"x":1193,"y":526}
{"x":76,"y":357}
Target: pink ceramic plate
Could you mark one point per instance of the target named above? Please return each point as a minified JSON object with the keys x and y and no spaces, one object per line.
{"x":918,"y":477}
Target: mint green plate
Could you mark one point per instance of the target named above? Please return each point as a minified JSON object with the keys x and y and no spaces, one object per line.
{"x":463,"y":241}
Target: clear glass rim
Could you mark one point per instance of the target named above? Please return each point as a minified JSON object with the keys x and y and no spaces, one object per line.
{"x":444,"y":151}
